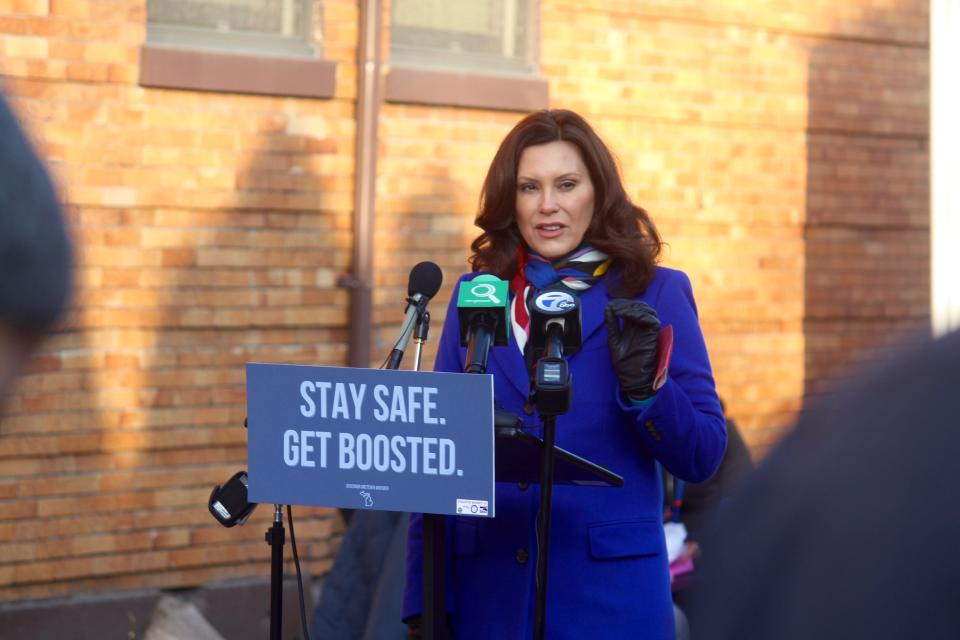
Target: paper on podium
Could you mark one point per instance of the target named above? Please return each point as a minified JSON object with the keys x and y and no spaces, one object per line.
{"x":519,"y":457}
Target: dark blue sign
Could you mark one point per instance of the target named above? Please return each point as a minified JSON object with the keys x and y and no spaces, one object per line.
{"x":370,"y":438}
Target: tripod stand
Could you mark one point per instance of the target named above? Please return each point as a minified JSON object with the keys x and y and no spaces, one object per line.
{"x":275,"y":537}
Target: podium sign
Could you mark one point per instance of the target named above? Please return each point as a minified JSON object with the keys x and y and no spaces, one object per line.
{"x":370,"y":438}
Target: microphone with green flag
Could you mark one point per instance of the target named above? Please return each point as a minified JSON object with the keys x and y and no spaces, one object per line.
{"x":482,"y":308}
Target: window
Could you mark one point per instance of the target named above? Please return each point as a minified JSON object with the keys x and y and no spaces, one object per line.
{"x":278,"y":27}
{"x":484,"y":35}
{"x":243,"y":46}
{"x":467,"y":53}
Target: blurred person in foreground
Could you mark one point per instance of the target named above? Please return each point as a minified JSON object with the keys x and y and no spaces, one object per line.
{"x":554,"y":211}
{"x":691,"y":506}
{"x":34,"y":250}
{"x":848,"y":529}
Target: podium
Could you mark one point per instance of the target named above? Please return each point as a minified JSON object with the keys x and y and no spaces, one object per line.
{"x":519,"y":457}
{"x":332,"y":436}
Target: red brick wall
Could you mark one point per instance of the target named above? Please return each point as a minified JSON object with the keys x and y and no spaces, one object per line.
{"x":211,"y":229}
{"x":781,"y":149}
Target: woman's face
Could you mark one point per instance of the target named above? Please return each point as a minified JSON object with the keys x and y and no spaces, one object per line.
{"x":554,"y":198}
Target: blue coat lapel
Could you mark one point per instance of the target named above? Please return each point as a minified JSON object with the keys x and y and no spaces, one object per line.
{"x":592,"y":303}
{"x":510,"y":362}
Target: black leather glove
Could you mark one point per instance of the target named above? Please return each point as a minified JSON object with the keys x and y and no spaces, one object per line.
{"x":633,"y":347}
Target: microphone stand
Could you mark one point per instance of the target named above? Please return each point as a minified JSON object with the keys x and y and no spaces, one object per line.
{"x":229,"y":506}
{"x":434,"y":576}
{"x":433,"y":525}
{"x":275,"y":537}
{"x":552,"y":396}
{"x":420,"y":336}
{"x":416,"y":308}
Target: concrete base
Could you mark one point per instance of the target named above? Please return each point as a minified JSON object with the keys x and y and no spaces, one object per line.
{"x":238,"y":610}
{"x":176,"y":619}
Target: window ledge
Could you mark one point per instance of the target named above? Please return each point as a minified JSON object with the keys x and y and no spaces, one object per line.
{"x":176,"y":68}
{"x":465,"y":89}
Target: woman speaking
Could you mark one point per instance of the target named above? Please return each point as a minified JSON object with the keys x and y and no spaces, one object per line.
{"x":554,"y":211}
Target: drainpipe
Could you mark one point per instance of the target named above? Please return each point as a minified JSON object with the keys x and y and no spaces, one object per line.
{"x":360,"y":280}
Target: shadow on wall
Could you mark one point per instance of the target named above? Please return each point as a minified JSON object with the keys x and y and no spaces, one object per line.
{"x":423,"y":226}
{"x":207,"y":278}
{"x":58,"y":462}
{"x":867,"y":277}
{"x":260,"y":286}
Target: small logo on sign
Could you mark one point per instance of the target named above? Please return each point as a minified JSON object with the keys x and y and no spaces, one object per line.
{"x":367,"y":498}
{"x":553,"y":301}
{"x":472,"y":507}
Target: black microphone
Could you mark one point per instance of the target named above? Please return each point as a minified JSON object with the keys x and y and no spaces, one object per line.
{"x":484,"y":320}
{"x":555,"y":326}
{"x":425,"y":281}
{"x":555,"y":332}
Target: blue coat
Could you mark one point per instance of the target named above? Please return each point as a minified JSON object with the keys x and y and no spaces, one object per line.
{"x":608,"y":571}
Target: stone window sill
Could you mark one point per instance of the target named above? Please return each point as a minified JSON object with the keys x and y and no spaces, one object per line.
{"x":191,"y":69}
{"x":466,"y":89}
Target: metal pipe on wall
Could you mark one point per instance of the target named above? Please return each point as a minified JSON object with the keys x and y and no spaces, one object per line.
{"x":369,"y":92}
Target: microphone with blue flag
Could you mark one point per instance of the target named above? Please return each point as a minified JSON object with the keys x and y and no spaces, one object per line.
{"x":555,"y":307}
{"x":555,"y":334}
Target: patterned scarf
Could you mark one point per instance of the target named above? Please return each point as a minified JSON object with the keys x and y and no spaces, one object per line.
{"x":578,"y":270}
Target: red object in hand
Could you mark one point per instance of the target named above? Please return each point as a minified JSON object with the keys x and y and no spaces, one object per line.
{"x":664,"y":351}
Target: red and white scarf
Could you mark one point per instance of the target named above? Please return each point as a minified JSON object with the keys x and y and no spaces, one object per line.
{"x":578,"y":270}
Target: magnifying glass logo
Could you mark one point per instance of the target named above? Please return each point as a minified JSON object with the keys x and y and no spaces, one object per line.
{"x":485,"y":290}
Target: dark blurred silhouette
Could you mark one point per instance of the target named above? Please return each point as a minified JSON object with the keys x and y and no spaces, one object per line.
{"x":847,"y":529}
{"x":701,"y":499}
{"x":35,"y":255}
{"x":695,"y":505}
{"x":362,"y":593}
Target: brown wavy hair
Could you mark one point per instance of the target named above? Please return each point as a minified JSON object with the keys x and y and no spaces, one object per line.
{"x":621,"y":229}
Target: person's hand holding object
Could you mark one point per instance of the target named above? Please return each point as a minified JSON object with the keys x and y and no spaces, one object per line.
{"x":633,"y":329}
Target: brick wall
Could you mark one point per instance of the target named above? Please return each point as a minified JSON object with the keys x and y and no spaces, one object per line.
{"x":781,"y":148}
{"x":210,"y":229}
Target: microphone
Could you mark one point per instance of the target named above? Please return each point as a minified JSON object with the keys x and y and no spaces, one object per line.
{"x":484,"y":319}
{"x":555,"y":326}
{"x":425,"y":280}
{"x":555,"y":332}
